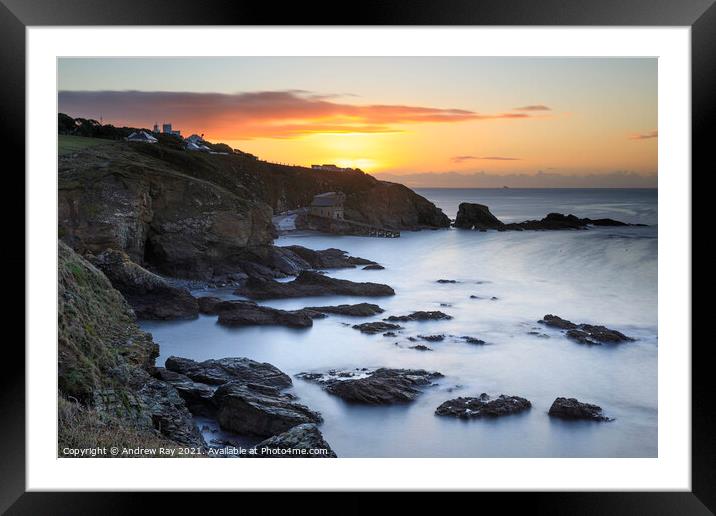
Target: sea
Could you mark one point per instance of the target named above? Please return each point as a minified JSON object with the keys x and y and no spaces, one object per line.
{"x":505,"y":283}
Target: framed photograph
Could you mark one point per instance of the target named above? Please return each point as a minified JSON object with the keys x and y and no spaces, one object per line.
{"x":442,"y":248}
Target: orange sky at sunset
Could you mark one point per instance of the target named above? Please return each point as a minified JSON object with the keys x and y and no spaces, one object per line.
{"x":500,"y":116}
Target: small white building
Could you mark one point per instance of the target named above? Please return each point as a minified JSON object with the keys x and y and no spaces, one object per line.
{"x":142,"y":137}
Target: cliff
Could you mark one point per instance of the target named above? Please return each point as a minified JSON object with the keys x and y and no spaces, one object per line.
{"x":197,"y":215}
{"x":104,"y":361}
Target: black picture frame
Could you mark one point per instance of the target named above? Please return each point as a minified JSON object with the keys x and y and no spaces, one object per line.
{"x":16,"y":15}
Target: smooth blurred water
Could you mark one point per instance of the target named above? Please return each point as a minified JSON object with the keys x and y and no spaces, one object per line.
{"x":603,"y":275}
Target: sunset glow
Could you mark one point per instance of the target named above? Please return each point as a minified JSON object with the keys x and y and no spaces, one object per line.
{"x":390,"y":115}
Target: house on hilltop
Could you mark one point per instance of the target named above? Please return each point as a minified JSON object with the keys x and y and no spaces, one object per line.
{"x":142,"y":137}
{"x":328,"y":205}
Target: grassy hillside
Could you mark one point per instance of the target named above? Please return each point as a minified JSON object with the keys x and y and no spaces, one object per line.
{"x":68,"y":144}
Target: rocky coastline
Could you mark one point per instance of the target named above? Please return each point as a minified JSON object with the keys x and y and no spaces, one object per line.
{"x":139,"y":226}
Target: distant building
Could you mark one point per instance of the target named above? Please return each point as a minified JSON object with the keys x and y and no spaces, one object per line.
{"x":195,"y":138}
{"x":329,"y":166}
{"x":167,"y":129}
{"x":196,"y":147}
{"x":328,"y":205}
{"x":156,"y":128}
{"x":142,"y":137}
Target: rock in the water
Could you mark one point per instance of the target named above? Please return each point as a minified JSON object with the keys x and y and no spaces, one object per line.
{"x":373,"y":267}
{"x":309,"y":284}
{"x":303,"y":440}
{"x":446,"y":281}
{"x":420,"y":316}
{"x":218,"y":372}
{"x":557,"y":322}
{"x":327,"y":258}
{"x":208,"y":304}
{"x":254,"y":409}
{"x":432,"y":338}
{"x":380,"y":387}
{"x":476,"y":216}
{"x":586,"y":333}
{"x":150,"y":295}
{"x":376,"y":327}
{"x":472,"y":340}
{"x":421,"y":347}
{"x":482,"y":406}
{"x":571,"y":408}
{"x":357,"y":310}
{"x":248,"y":313}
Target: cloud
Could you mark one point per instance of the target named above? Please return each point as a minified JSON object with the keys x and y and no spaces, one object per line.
{"x":461,"y":159}
{"x":644,"y":136}
{"x":267,"y":114}
{"x":539,"y":179}
{"x":533,"y":107}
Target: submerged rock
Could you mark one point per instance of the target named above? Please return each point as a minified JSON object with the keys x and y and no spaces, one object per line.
{"x":309,"y":284}
{"x":357,"y":310}
{"x":373,"y":267}
{"x":586,"y":333}
{"x":472,"y":340}
{"x":420,"y":316}
{"x":446,"y":281}
{"x":380,"y":387}
{"x":376,"y":327}
{"x":150,"y":295}
{"x":432,"y":338}
{"x":421,"y":347}
{"x":482,"y":406}
{"x":293,"y":442}
{"x":571,"y":408}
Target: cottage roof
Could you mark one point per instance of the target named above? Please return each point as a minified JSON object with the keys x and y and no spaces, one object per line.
{"x":328,"y":199}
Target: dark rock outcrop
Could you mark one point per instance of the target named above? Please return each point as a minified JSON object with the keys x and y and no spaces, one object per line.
{"x":482,"y":406}
{"x":589,"y":334}
{"x":301,"y":441}
{"x":248,"y":313}
{"x":223,"y":370}
{"x":447,"y":281}
{"x":327,"y":258}
{"x":259,"y":409}
{"x":373,"y":267}
{"x":557,"y":322}
{"x":476,"y":216}
{"x":472,"y":340}
{"x":150,"y":295}
{"x":432,"y":338}
{"x":243,"y":395}
{"x":376,"y":327}
{"x":421,"y":347}
{"x":356,"y":310}
{"x":571,"y":408}
{"x":420,"y":316}
{"x":309,"y":284}
{"x":380,"y":387}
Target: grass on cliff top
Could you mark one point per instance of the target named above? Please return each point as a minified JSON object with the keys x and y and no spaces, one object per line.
{"x":80,"y":427}
{"x":67,"y":144}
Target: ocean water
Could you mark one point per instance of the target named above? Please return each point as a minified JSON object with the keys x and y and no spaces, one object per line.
{"x":602,"y":275}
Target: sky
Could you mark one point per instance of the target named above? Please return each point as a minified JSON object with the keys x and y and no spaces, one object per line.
{"x":591,"y":121}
